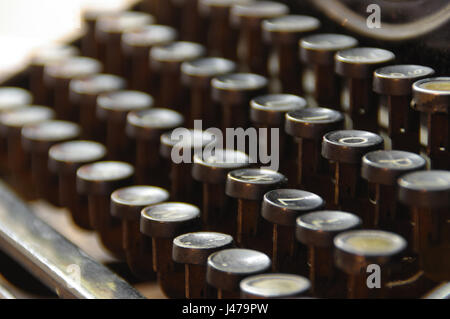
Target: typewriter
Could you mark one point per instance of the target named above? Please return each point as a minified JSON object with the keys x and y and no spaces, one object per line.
{"x":224,"y":149}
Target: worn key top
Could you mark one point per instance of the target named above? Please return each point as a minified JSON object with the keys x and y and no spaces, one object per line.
{"x":274,"y":286}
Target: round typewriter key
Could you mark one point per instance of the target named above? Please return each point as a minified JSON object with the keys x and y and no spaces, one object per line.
{"x":233,"y":92}
{"x":248,"y":186}
{"x":308,"y":126}
{"x":318,"y":50}
{"x":37,"y":139}
{"x":193,"y":250}
{"x":432,"y":97}
{"x":283,"y":34}
{"x":41,"y":58}
{"x":58,"y":76}
{"x":197,"y":76}
{"x":281,"y":207}
{"x":248,"y":18}
{"x":274,"y":286}
{"x":357,"y":66}
{"x":395,"y":82}
{"x":19,"y":161}
{"x":358,"y":251}
{"x":163,"y":222}
{"x":317,"y":230}
{"x":212,"y":170}
{"x":84,"y":93}
{"x":136,"y":46}
{"x":145,"y":128}
{"x":110,"y":29}
{"x":64,"y":160}
{"x":427,"y":195}
{"x":97,"y":181}
{"x":113,"y":108}
{"x":166,"y":61}
{"x":227,"y":268}
{"x":127,"y":204}
{"x":344,"y":149}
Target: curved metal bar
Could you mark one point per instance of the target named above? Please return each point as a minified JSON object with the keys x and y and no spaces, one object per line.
{"x":441,"y":292}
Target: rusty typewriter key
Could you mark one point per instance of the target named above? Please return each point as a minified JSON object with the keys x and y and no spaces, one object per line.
{"x":248,"y":18}
{"x":233,"y":92}
{"x":58,"y":76}
{"x":248,"y":186}
{"x":197,"y":76}
{"x":427,"y":195}
{"x":218,"y":213}
{"x":19,"y":161}
{"x":41,"y":58}
{"x":166,"y":61}
{"x":97,"y":181}
{"x":281,"y":207}
{"x":432,"y":98}
{"x":283,"y":34}
{"x":136,"y":46}
{"x":274,"y":286}
{"x":344,"y":150}
{"x":109,"y":31}
{"x":145,"y":127}
{"x":356,"y":65}
{"x":163,"y":222}
{"x":318,"y":51}
{"x":126,"y":205}
{"x":37,"y":139}
{"x":395,"y":82}
{"x":84,"y":93}
{"x":368,"y":257}
{"x":308,"y":126}
{"x":193,"y":250}
{"x":317,"y":230}
{"x":226,"y":269}
{"x":64,"y":160}
{"x":113,"y":108}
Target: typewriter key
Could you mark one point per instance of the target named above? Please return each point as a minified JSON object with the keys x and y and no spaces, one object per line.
{"x":19,"y":161}
{"x":163,"y":222}
{"x":145,"y":128}
{"x":97,"y":181}
{"x":248,"y":18}
{"x":166,"y":62}
{"x":360,"y":253}
{"x":357,"y":66}
{"x":344,"y":149}
{"x":126,"y":205}
{"x":41,"y":58}
{"x":318,"y":50}
{"x":58,"y":76}
{"x":218,"y":213}
{"x":234,"y":92}
{"x":226,"y":269}
{"x":274,"y":286}
{"x":427,"y":195}
{"x":179,"y":147}
{"x":432,"y":97}
{"x":283,"y":34}
{"x":395,"y":82}
{"x":193,"y":250}
{"x":84,"y":93}
{"x":109,"y":31}
{"x":136,"y":46}
{"x":248,"y":186}
{"x":37,"y":139}
{"x":281,"y":207}
{"x":197,"y":76}
{"x":64,"y":160}
{"x":317,"y":230}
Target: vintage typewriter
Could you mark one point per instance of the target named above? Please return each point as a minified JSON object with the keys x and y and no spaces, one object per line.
{"x":232,"y":149}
